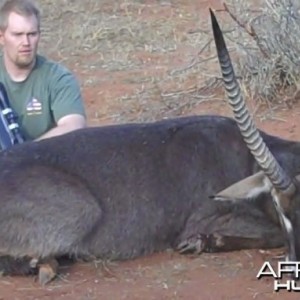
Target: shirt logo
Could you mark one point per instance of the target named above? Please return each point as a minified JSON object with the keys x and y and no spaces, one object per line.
{"x":34,"y":107}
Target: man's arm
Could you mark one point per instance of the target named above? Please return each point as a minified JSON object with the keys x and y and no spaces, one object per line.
{"x":65,"y":124}
{"x":66,"y":102}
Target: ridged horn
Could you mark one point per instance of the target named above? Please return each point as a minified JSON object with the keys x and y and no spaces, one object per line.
{"x":280,"y":180}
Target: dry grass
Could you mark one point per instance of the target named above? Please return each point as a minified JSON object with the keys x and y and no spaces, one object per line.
{"x":112,"y":35}
{"x":157,"y":49}
{"x":266,"y":36}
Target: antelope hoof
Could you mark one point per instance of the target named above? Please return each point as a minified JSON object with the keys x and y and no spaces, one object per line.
{"x":194,"y":244}
{"x":47,"y":271}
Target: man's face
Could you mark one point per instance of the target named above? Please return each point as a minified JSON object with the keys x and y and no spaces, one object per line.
{"x":20,"y":40}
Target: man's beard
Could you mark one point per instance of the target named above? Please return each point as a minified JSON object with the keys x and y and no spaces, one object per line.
{"x":25,"y":62}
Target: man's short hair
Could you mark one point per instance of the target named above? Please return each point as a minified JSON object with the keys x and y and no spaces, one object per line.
{"x":21,"y":7}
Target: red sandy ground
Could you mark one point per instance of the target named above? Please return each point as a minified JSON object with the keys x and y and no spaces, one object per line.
{"x":164,"y":275}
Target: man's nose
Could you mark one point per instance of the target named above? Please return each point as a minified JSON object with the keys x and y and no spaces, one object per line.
{"x":25,"y":39}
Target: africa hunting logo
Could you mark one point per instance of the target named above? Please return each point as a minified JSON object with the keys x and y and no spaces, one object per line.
{"x":34,"y":107}
{"x":291,"y":268}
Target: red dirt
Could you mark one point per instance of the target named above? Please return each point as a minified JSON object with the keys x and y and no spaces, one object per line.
{"x":164,"y":275}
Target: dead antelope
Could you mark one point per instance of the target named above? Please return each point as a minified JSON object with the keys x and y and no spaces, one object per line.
{"x":119,"y":192}
{"x":273,"y":178}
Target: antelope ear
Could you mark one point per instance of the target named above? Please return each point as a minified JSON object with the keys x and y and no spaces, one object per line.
{"x":250,"y":187}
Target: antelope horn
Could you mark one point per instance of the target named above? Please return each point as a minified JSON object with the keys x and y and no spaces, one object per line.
{"x":280,"y":180}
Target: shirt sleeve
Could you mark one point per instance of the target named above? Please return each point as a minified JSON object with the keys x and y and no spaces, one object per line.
{"x":66,"y":96}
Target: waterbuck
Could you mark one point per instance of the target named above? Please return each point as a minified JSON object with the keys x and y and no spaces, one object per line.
{"x":122,"y":191}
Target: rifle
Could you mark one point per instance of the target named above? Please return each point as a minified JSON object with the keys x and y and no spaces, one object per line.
{"x":10,"y":133}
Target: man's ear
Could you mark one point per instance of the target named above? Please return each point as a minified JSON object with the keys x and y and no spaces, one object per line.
{"x":250,"y":187}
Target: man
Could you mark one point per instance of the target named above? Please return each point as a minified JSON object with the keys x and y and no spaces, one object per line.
{"x":45,"y":95}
